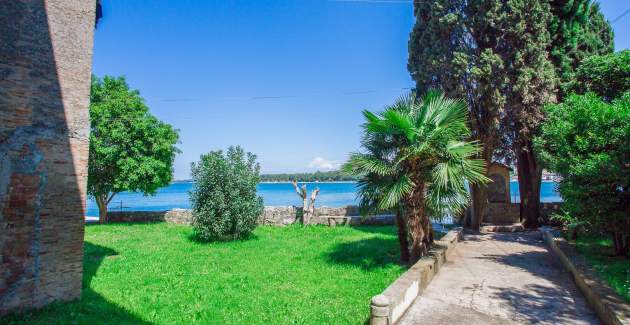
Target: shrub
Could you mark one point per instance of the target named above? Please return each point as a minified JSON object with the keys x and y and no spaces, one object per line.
{"x":606,"y":75}
{"x":587,"y":141}
{"x":224,"y":201}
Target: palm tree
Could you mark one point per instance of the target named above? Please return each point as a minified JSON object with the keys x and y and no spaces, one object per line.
{"x":416,"y":162}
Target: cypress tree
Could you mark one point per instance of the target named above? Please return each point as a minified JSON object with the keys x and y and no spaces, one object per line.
{"x":531,"y":85}
{"x":578,"y":30}
{"x":453,"y":47}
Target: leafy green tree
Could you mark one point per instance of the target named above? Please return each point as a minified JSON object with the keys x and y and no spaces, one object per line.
{"x":606,"y":75}
{"x":130,"y":149}
{"x":454,"y":47}
{"x":578,"y":30}
{"x":224,"y":200}
{"x":416,"y":161}
{"x":587,"y":141}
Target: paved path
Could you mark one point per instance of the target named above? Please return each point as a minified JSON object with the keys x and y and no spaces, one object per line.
{"x":502,"y":278}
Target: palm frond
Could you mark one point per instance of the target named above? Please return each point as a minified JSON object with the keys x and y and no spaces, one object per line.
{"x":400,"y":122}
{"x":361,"y":164}
{"x":394,"y":192}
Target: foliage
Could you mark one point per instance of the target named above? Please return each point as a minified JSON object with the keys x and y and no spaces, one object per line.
{"x":130,"y":149}
{"x":319,"y":176}
{"x":587,"y":141}
{"x":615,"y":271}
{"x":415,"y":146}
{"x":578,"y":30}
{"x":224,"y":200}
{"x":154,"y":274}
{"x":606,"y":75}
{"x":573,"y":224}
{"x":453,"y":48}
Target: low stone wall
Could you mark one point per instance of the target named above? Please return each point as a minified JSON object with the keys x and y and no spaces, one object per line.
{"x":502,"y":213}
{"x":389,"y":306}
{"x":272,"y":215}
{"x":609,"y":306}
{"x":510,"y":213}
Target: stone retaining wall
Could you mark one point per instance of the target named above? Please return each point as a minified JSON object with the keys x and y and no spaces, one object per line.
{"x":497,"y":213}
{"x":609,"y":306}
{"x":272,"y":215}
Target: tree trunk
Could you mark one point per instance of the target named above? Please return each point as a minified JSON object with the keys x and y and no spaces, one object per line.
{"x":529,"y":181}
{"x":418,"y":224}
{"x":621,"y":243}
{"x":480,"y":191}
{"x":403,"y":241}
{"x":102,"y":209}
{"x":479,"y":203}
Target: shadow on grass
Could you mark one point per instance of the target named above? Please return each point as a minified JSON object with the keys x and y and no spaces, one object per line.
{"x":92,"y":308}
{"x":382,"y":230}
{"x":368,"y":254}
{"x":195,"y":238}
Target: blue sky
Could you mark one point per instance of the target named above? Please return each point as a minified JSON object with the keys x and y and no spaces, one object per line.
{"x":285,"y":79}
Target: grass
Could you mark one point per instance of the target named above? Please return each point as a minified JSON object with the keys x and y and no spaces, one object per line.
{"x":614,"y":270}
{"x":157,"y":273}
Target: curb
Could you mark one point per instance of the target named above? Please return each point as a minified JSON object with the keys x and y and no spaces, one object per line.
{"x":607,"y":304}
{"x":517,"y":227}
{"x":389,"y":306}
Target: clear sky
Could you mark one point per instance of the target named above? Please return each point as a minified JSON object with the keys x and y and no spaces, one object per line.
{"x":285,"y":79}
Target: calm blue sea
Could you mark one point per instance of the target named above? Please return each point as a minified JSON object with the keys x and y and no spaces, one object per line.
{"x":280,"y":194}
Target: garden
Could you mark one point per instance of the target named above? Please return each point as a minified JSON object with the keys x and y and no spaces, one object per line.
{"x":160,"y":273}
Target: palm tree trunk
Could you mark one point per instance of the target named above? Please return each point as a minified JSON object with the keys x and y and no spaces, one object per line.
{"x":403,"y":241}
{"x":529,"y":181}
{"x":419,"y":225}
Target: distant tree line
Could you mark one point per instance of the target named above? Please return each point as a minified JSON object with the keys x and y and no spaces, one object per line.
{"x":331,"y":176}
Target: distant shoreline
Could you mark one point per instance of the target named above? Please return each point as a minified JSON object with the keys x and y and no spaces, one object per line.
{"x":289,"y":182}
{"x":280,"y":182}
{"x":328,"y":182}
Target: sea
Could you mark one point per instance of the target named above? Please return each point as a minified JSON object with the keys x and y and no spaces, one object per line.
{"x":332,"y":194}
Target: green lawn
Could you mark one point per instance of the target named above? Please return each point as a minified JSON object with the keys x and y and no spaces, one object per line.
{"x":614,"y":270}
{"x":157,"y":273}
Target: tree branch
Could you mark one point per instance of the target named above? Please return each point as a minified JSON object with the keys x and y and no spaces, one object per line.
{"x":111,"y":197}
{"x":297,"y":189}
{"x":314,"y":194}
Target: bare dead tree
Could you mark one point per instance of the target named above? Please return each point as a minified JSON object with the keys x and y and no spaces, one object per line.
{"x":308,"y":208}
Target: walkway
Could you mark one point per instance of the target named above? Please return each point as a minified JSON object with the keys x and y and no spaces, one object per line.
{"x":502,"y":278}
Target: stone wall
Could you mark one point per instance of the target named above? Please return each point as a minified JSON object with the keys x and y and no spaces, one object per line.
{"x":496,"y":213}
{"x":272,"y":215}
{"x":45,"y":69}
{"x":502,"y":213}
{"x":510,"y":213}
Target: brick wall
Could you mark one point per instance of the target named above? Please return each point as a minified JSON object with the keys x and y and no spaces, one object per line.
{"x":45,"y":67}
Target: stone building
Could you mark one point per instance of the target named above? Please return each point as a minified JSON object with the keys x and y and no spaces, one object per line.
{"x":45,"y":69}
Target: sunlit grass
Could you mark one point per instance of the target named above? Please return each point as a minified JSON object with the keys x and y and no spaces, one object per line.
{"x":158,"y":273}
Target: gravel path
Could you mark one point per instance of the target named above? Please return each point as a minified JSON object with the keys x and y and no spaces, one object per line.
{"x":501,"y":278}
